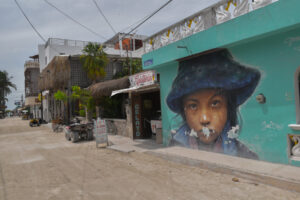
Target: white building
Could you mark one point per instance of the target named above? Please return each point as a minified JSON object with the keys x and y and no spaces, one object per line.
{"x":120,"y":44}
{"x":56,"y":46}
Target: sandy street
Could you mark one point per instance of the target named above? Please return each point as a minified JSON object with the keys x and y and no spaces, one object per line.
{"x":37,"y":164}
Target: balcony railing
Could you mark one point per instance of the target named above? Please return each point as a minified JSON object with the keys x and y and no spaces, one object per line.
{"x":218,"y":13}
{"x":65,"y":42}
{"x":31,"y":64}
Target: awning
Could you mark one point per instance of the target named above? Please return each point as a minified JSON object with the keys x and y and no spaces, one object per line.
{"x":137,"y":89}
{"x":105,"y":88}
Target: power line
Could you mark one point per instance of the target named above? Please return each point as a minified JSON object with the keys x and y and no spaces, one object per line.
{"x":128,"y":27}
{"x":104,"y":17}
{"x":68,"y":16}
{"x":30,"y":22}
{"x":149,"y":17}
{"x":32,"y":25}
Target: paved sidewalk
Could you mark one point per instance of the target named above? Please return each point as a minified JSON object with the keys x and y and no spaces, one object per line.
{"x":282,"y":176}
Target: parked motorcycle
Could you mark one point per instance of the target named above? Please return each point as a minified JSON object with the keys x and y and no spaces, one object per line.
{"x":34,"y":122}
{"x":79,"y":131}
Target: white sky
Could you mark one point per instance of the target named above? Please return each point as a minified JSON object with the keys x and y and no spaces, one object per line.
{"x":18,"y":41}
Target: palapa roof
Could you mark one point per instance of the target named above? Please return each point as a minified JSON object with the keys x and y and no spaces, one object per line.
{"x":56,"y":75}
{"x":105,"y":88}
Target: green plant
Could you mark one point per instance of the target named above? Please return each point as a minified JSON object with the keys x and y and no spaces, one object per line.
{"x":61,"y":96}
{"x":112,"y":107}
{"x":5,"y":88}
{"x":94,"y":60}
{"x":82,"y":113}
{"x":84,"y":97}
{"x":133,"y":65}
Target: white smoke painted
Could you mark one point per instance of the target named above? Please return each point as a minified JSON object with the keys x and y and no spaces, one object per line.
{"x":193,"y":133}
{"x":233,"y":132}
{"x":206,"y":131}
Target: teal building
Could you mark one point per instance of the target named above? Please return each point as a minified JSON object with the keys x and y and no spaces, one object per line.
{"x":267,"y":40}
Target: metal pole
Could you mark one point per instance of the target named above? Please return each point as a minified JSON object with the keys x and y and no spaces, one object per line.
{"x":42,"y":116}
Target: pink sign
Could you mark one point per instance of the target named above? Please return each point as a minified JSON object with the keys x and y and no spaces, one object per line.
{"x":142,"y":79}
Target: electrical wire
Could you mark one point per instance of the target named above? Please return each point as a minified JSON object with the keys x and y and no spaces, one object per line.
{"x":68,"y":16}
{"x":36,"y":31}
{"x":33,"y":26}
{"x":160,"y":8}
{"x":112,"y":28}
{"x":144,"y":20}
{"x":128,"y":27}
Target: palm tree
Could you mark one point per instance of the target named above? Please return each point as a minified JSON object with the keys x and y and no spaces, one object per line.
{"x":5,"y":87}
{"x":94,"y":60}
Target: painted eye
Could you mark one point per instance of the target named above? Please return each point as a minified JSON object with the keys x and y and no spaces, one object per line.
{"x":215,"y":103}
{"x":192,"y":106}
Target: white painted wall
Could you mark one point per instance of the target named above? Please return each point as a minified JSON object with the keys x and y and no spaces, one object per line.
{"x":55,"y":47}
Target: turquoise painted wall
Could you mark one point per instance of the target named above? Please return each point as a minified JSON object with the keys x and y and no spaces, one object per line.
{"x":273,"y":48}
{"x":265,"y":126}
{"x":272,"y":19}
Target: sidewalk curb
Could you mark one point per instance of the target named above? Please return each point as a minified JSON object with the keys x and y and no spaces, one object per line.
{"x":280,"y":182}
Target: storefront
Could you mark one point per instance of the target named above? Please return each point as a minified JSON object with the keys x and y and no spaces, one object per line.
{"x":144,"y":101}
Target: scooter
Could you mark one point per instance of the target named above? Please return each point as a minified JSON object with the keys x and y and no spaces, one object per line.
{"x":34,"y":122}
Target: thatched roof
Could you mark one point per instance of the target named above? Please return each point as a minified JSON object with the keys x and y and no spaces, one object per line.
{"x":56,"y":75}
{"x":105,"y":88}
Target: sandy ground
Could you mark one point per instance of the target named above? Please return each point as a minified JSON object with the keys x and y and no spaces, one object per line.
{"x":36,"y":164}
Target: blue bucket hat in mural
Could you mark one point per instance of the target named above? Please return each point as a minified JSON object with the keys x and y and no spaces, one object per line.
{"x":213,"y":70}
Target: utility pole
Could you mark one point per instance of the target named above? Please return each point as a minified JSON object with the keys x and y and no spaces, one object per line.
{"x":42,"y":115}
{"x":131,"y":49}
{"x":22,"y":103}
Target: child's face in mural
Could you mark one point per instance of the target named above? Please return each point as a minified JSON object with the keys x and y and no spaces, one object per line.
{"x":206,"y":113}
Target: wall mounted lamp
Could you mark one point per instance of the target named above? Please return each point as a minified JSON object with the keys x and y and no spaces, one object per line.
{"x":260,"y":98}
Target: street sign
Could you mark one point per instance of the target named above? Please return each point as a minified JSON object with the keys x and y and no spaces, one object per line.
{"x":100,"y":131}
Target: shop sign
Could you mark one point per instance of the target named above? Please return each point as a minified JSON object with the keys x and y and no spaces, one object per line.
{"x":148,"y":62}
{"x":142,"y":79}
{"x":100,"y":132}
{"x":137,"y":123}
{"x":136,"y":117}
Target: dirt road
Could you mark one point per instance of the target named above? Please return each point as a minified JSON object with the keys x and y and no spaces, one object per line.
{"x":37,"y":164}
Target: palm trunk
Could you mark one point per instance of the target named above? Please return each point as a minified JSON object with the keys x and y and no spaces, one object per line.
{"x":88,"y":114}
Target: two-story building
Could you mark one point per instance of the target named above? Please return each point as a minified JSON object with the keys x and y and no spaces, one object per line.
{"x":31,"y":73}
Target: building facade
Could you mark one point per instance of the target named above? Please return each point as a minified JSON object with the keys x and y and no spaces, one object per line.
{"x":233,"y":87}
{"x":31,"y":73}
{"x":56,"y":46}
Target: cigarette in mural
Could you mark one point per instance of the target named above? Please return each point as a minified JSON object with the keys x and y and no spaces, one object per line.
{"x":206,"y":132}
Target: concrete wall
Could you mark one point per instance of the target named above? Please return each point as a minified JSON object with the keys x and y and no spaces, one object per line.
{"x":117,"y":126}
{"x":31,"y":81}
{"x":262,"y":40}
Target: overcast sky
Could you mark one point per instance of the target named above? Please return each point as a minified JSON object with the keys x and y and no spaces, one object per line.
{"x":18,"y":41}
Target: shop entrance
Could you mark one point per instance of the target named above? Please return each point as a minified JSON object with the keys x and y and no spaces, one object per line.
{"x":146,"y":109}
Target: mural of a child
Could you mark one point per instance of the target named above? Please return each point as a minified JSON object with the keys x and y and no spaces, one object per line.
{"x":207,"y":93}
